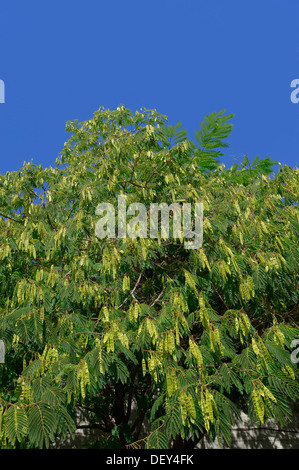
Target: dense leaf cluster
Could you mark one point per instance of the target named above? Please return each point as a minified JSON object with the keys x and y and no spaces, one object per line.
{"x":142,"y":330}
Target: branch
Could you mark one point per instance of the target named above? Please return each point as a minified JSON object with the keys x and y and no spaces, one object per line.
{"x":137,"y":426}
{"x":266,"y":429}
{"x":130,"y":393}
{"x":158,"y":298}
{"x":49,"y":220}
{"x":90,"y":426}
{"x":132,"y":291}
{"x":11,"y":218}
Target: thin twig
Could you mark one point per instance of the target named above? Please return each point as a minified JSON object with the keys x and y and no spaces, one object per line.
{"x":132,"y":291}
{"x":11,"y":218}
{"x":158,"y":298}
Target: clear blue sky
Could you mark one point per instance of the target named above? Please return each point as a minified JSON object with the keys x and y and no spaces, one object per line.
{"x":62,"y":60}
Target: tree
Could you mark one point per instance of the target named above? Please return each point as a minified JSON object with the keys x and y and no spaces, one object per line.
{"x":135,"y":329}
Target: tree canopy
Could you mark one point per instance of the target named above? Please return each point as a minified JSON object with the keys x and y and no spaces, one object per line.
{"x":135,"y":330}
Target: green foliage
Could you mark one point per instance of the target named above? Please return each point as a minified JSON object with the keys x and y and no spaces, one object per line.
{"x":135,"y":329}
